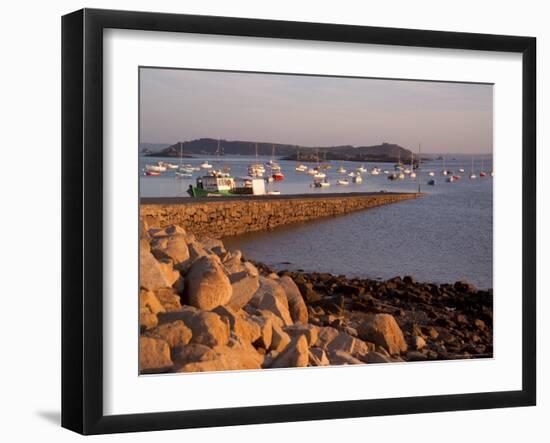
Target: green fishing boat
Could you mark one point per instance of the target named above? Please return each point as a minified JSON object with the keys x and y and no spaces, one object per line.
{"x":214,"y":184}
{"x":220,"y":184}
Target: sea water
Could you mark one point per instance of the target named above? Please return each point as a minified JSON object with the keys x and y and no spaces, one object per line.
{"x":446,"y":235}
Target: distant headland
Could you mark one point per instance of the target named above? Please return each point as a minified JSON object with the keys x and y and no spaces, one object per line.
{"x":385,"y":152}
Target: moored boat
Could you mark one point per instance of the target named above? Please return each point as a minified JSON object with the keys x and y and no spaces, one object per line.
{"x":155,"y":167}
{"x":300,"y":167}
{"x":182,"y":175}
{"x":324,"y":183}
{"x":482,"y":173}
{"x":256,"y":169}
{"x":472,"y":173}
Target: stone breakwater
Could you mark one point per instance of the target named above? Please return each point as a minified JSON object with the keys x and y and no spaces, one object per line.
{"x":203,"y":308}
{"x":233,"y":216}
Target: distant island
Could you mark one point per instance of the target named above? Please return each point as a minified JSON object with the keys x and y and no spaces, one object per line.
{"x":385,"y":152}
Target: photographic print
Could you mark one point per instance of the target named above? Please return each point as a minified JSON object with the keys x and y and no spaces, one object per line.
{"x":292,"y":221}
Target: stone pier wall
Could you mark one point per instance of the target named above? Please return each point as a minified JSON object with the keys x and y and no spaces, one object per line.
{"x":238,"y":215}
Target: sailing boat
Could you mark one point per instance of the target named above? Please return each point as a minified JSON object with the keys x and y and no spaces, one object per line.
{"x":398,"y":166}
{"x":482,"y":172}
{"x":318,"y":173}
{"x":444,"y":172}
{"x":472,"y":174}
{"x":219,"y":151}
{"x":275,"y":168}
{"x":272,"y":161}
{"x":325,"y":165}
{"x":299,"y":167}
{"x":412,"y":173}
{"x":182,"y":172}
{"x":256,"y":169}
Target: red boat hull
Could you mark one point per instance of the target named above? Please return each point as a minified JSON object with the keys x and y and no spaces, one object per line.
{"x":278,"y":177}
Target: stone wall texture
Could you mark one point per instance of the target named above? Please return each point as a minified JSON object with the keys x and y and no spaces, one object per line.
{"x":237,"y":215}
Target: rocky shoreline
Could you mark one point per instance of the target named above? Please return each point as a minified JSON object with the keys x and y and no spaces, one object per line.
{"x":203,"y":308}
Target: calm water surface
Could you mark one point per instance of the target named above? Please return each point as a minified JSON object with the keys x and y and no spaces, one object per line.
{"x":443,"y":237}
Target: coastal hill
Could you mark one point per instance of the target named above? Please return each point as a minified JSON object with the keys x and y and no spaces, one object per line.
{"x":385,"y":152}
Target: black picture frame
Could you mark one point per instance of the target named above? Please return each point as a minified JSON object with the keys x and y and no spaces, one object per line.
{"x":82,"y":218}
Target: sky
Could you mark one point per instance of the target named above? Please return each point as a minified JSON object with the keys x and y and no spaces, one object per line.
{"x":179,"y":105}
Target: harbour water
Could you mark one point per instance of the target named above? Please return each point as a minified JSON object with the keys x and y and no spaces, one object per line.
{"x":442,"y":237}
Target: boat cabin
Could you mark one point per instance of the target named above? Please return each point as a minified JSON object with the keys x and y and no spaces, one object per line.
{"x":216,"y":183}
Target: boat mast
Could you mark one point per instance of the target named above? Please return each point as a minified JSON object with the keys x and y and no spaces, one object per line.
{"x":418,"y":169}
